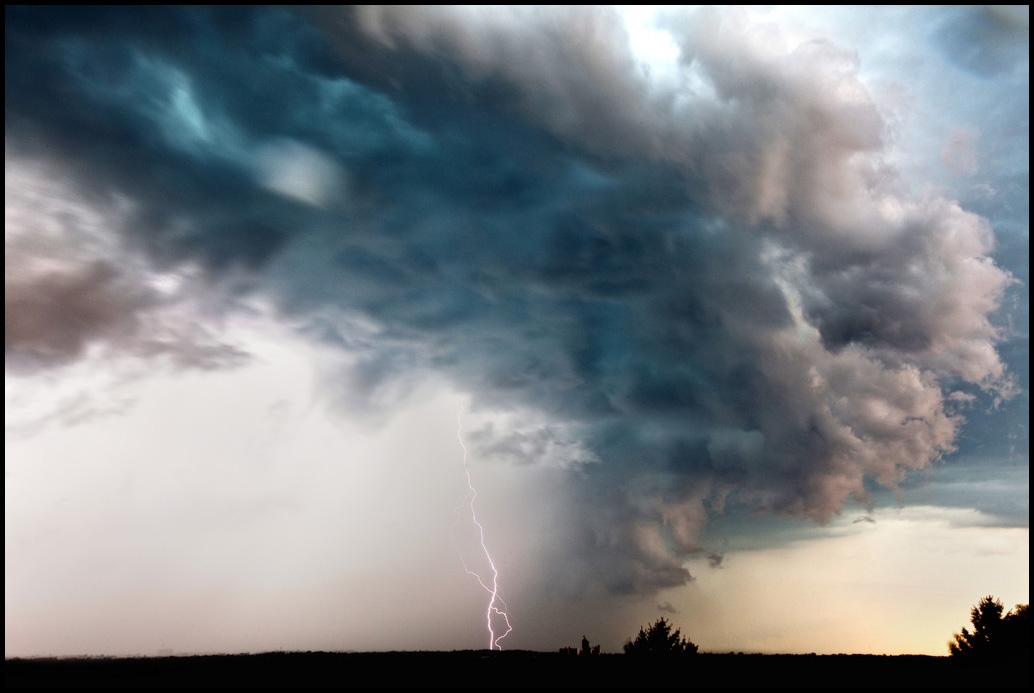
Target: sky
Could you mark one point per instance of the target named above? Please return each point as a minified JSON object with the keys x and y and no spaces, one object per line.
{"x":718,"y":315}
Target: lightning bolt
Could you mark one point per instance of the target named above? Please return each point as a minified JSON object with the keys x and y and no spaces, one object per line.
{"x":496,"y":605}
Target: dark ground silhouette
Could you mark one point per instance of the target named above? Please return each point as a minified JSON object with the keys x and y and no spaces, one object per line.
{"x":471,"y":669}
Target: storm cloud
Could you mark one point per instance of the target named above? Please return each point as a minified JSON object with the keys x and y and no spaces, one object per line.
{"x":685,"y":289}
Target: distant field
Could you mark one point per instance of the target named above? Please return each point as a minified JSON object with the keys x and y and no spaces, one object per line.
{"x":508,"y":669}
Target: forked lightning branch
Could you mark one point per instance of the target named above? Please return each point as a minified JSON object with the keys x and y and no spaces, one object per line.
{"x":496,"y":610}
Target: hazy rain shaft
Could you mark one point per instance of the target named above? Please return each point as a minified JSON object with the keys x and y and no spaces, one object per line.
{"x":681,"y":289}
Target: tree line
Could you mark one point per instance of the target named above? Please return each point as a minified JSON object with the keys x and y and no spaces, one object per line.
{"x":996,"y":636}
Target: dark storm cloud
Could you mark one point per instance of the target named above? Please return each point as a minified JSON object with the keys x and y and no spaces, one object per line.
{"x":701,"y":293}
{"x":70,"y":286}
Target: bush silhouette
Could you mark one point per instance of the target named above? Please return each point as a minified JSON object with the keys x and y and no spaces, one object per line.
{"x":659,"y":640}
{"x":995,"y":637}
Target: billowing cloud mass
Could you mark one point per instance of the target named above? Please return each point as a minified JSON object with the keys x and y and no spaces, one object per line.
{"x":685,"y":287}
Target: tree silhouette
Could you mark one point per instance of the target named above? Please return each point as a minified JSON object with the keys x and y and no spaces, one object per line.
{"x":659,"y":640}
{"x":994,"y":637}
